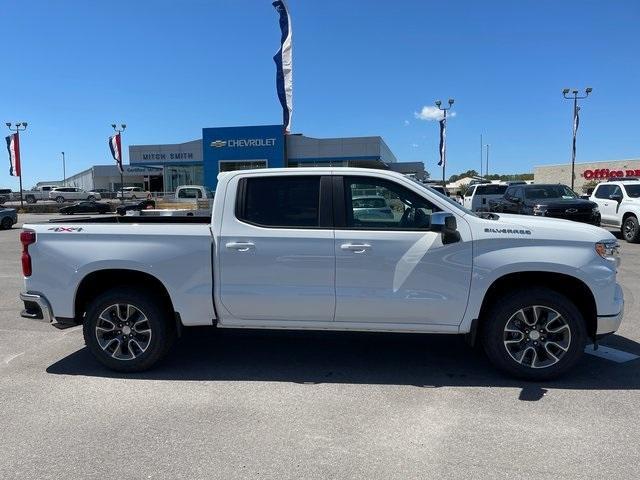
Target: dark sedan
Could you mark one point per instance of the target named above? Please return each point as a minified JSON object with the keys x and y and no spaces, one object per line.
{"x":86,"y":207}
{"x":135,"y":207}
{"x":548,"y":200}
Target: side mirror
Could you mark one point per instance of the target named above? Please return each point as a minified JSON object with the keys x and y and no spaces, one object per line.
{"x":617,"y":197}
{"x":445,"y":223}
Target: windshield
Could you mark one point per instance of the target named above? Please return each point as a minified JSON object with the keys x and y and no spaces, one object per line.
{"x":452,"y":203}
{"x":632,"y":190}
{"x":369,"y":202}
{"x":541,"y":192}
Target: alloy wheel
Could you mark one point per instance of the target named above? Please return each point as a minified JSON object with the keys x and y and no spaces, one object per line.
{"x":629,"y":229}
{"x":123,"y":331}
{"x":537,"y":336}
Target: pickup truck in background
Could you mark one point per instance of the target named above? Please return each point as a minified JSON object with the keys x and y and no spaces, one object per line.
{"x":285,"y":249}
{"x":619,"y":204}
{"x":35,"y":194}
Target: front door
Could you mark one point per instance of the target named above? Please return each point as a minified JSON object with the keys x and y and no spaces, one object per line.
{"x":276,"y":250}
{"x":392,"y":270}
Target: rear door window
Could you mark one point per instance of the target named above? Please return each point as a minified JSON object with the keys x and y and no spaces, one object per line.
{"x":280,"y":201}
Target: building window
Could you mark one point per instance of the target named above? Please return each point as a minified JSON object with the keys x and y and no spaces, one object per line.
{"x":231,"y":165}
{"x":178,"y":175}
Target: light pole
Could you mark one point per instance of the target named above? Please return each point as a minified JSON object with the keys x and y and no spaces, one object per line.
{"x":443,"y":142}
{"x":576,"y":120}
{"x":18,"y":127}
{"x":481,"y":147}
{"x":486,"y":170}
{"x":119,"y":131}
{"x":64,"y":171}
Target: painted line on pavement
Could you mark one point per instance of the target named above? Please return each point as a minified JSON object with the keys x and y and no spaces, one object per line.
{"x":610,"y":353}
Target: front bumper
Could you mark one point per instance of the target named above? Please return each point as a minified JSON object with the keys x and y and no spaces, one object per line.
{"x":36,"y":307}
{"x":610,"y":323}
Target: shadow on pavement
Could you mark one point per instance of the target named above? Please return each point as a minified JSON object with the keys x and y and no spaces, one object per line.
{"x":205,"y":354}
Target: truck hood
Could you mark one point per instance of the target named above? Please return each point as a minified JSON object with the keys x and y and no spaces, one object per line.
{"x":533,"y":227}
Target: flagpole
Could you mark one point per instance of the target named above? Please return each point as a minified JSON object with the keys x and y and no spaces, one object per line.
{"x":20,"y":176}
{"x":444,"y":148}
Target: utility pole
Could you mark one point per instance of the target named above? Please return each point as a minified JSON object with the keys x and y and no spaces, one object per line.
{"x":443,"y":143}
{"x":64,"y":171}
{"x":576,"y":120}
{"x":487,"y":169}
{"x":19,"y":127}
{"x":481,"y":147}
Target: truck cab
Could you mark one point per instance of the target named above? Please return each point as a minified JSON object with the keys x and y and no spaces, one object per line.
{"x":619,"y":204}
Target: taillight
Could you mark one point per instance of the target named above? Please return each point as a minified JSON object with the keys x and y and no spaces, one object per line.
{"x":27,"y":237}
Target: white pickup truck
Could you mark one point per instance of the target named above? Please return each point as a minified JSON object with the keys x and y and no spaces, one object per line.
{"x":284,"y":250}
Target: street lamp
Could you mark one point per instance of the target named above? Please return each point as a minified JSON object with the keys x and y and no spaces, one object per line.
{"x":18,"y":127}
{"x":443,"y":143}
{"x":573,"y":95}
{"x":118,"y":131}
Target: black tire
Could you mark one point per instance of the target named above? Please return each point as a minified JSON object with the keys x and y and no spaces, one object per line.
{"x":6,"y":223}
{"x":159,"y":321}
{"x":91,"y":198}
{"x":60,"y":199}
{"x":494,"y":336}
{"x":30,"y":199}
{"x":631,"y":229}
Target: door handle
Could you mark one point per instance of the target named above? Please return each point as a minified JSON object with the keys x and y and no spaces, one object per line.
{"x":355,"y":247}
{"x":240,"y":246}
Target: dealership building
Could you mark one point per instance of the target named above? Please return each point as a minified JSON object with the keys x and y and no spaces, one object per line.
{"x":162,"y":168}
{"x":587,"y":172}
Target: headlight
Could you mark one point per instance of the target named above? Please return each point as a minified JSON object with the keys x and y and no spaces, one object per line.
{"x":609,"y":250}
{"x":539,"y":210}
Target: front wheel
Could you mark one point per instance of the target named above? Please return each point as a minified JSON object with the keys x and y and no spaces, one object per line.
{"x":535,"y":334}
{"x":30,"y":199}
{"x":91,"y":198}
{"x":631,"y":230}
{"x":60,"y":199}
{"x":128,"y":330}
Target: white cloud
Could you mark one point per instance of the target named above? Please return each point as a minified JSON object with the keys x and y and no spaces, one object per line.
{"x":415,"y":145}
{"x":406,"y":122}
{"x":430,"y":113}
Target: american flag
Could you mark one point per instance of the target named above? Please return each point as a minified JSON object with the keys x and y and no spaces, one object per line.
{"x":576,"y":122}
{"x":116,"y":150}
{"x":284,"y":64}
{"x":13,"y":147}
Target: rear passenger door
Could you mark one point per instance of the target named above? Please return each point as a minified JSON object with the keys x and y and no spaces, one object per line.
{"x":276,"y":250}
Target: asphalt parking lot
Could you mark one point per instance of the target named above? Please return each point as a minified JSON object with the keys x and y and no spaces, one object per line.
{"x":297,"y":405}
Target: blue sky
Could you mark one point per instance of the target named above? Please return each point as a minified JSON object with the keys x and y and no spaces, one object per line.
{"x":361,"y":67}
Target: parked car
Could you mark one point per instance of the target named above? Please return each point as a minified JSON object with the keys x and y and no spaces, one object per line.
{"x":36,"y":193}
{"x":136,"y":207}
{"x":547,"y":200}
{"x":192,"y":192}
{"x":619,"y":204}
{"x":371,"y":207}
{"x":478,"y":196}
{"x":86,"y":207}
{"x":8,"y":217}
{"x":67,"y":194}
{"x":5,"y":195}
{"x":133,"y":193}
{"x":283,"y":250}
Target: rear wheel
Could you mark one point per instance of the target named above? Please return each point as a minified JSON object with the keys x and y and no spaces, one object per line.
{"x":128,"y":330}
{"x":60,"y":199}
{"x":30,"y":199}
{"x":536,"y":334}
{"x":631,"y":229}
{"x":91,"y":198}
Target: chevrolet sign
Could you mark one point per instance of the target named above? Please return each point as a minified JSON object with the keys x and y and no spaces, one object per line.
{"x":244,"y":142}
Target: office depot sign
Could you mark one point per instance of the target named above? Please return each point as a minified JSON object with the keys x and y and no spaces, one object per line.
{"x":602,"y":173}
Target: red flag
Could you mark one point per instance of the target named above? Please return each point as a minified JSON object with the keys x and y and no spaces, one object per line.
{"x":116,"y":150}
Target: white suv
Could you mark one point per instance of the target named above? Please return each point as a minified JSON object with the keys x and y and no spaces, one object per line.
{"x":133,"y":193}
{"x":66,"y":194}
{"x":619,"y":204}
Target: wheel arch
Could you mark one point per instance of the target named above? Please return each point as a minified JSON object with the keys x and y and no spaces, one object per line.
{"x":571,"y":287}
{"x":99,"y":281}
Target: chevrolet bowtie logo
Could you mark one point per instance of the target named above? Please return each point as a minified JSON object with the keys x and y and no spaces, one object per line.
{"x":219,"y":143}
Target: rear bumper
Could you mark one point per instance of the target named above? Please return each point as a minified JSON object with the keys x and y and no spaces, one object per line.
{"x":36,"y":307}
{"x":611,"y":323}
